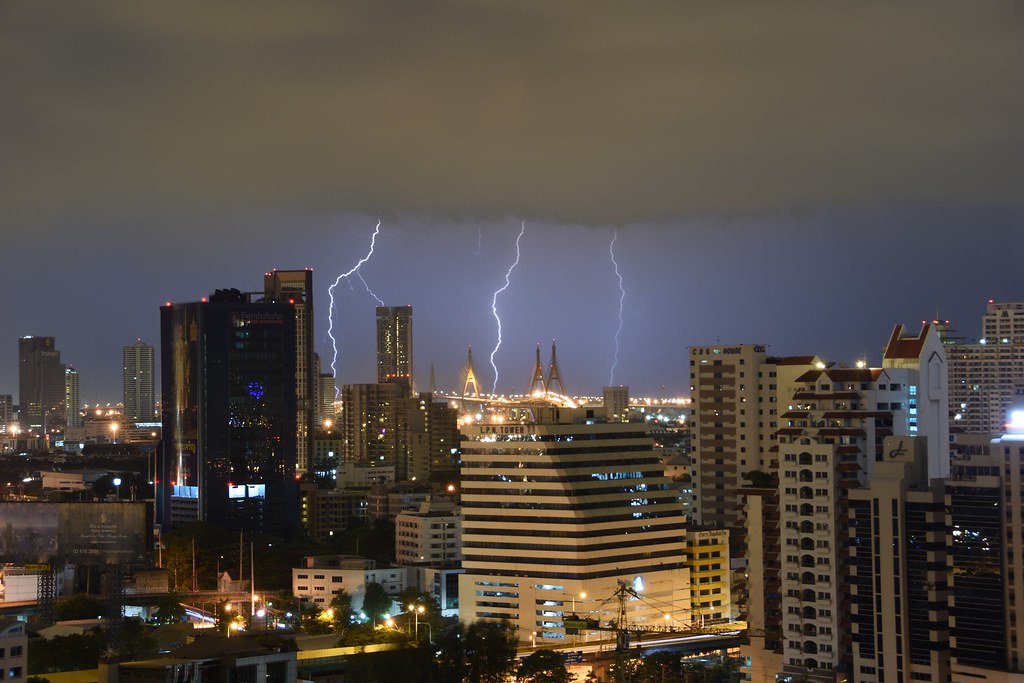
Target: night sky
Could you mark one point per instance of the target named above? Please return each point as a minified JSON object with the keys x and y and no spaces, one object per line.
{"x":798,"y":175}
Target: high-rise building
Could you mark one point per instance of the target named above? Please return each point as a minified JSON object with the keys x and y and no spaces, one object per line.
{"x":295,"y":287}
{"x":832,"y":431}
{"x":40,"y":383}
{"x":986,"y":377}
{"x":734,"y":390}
{"x":382,"y":427}
{"x":616,"y":403}
{"x":327,"y":395}
{"x":394,"y":346}
{"x":897,"y":573}
{"x":72,"y":398}
{"x":6,"y":413}
{"x":984,"y":501}
{"x":137,"y":381}
{"x":228,"y":406}
{"x":560,"y":507}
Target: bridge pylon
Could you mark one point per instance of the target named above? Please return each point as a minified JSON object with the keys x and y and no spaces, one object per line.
{"x":538,"y":384}
{"x":554,"y":374}
{"x":470,"y":378}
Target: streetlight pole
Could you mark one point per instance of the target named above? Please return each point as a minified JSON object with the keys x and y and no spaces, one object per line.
{"x":117,"y":487}
{"x":417,"y":611}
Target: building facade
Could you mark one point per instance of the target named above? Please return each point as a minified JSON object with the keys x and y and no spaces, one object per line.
{"x":986,"y":377}
{"x":72,"y":398}
{"x":394,"y":346}
{"x":295,"y":287}
{"x":560,"y":507}
{"x":228,"y":408}
{"x":40,"y":384}
{"x":138,"y":382}
{"x":431,"y":534}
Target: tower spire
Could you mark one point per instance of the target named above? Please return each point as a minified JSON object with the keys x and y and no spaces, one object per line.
{"x":538,"y":384}
{"x":554,"y":374}
{"x":433,"y":380}
{"x":470,"y":378}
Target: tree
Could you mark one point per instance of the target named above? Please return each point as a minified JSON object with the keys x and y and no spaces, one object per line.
{"x":544,"y":666}
{"x":65,"y":653}
{"x":341,"y":603}
{"x":376,"y":602}
{"x":169,"y":610}
{"x":79,"y":606}
{"x":490,"y":652}
{"x":136,"y":640}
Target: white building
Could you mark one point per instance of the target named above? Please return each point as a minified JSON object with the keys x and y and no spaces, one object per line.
{"x":431,"y":534}
{"x":18,"y":584}
{"x":563,"y":507}
{"x":322,"y":576}
{"x":835,"y":425}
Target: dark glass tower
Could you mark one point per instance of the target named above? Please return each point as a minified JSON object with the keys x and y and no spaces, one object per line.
{"x":229,"y":414}
{"x":40,"y":383}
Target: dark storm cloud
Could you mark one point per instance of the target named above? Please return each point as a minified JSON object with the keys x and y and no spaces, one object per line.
{"x":588,"y":112}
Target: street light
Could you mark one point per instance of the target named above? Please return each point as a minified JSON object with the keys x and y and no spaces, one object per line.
{"x":113,"y":432}
{"x":117,"y":487}
{"x":417,"y":611}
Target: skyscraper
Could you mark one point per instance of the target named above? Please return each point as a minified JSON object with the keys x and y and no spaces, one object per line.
{"x":137,"y":382}
{"x":295,"y":287}
{"x":394,"y":346}
{"x":72,"y":397}
{"x":228,"y":409}
{"x":40,"y":383}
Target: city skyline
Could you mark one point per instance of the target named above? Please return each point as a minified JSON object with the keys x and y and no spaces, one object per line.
{"x":802,"y":176}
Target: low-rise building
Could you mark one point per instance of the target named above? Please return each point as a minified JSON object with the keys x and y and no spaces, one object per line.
{"x":431,"y":534}
{"x":13,"y":650}
{"x":320,"y":578}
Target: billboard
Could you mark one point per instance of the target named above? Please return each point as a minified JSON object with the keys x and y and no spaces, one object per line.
{"x":80,"y":533}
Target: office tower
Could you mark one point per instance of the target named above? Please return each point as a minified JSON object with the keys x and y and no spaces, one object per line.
{"x":555,"y":508}
{"x":327,"y":395}
{"x":6,"y":413}
{"x":295,"y":287}
{"x":137,"y":381}
{"x":986,"y":377}
{"x":616,"y":403}
{"x":40,"y":383}
{"x":394,"y":346}
{"x":72,"y":398}
{"x":897,"y":573}
{"x":228,"y":405}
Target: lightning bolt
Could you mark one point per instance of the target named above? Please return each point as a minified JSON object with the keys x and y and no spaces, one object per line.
{"x":380,"y":302}
{"x":622,"y":299}
{"x":330,"y":293}
{"x":494,"y":307}
{"x":479,"y":239}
